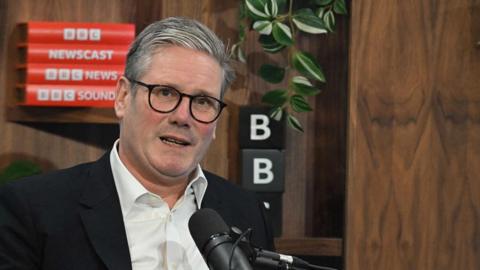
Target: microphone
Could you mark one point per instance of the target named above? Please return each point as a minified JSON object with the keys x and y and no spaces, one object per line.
{"x":216,"y":240}
{"x":212,"y":237}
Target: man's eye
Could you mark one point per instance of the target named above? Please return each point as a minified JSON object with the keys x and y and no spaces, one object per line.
{"x":204,"y":101}
{"x":165,"y":92}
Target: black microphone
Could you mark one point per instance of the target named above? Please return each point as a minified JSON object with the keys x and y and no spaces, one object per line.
{"x":212,"y":237}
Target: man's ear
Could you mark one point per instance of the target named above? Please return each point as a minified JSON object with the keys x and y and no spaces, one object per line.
{"x":122,"y":97}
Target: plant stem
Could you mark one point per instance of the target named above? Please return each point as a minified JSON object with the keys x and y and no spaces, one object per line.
{"x":291,"y":51}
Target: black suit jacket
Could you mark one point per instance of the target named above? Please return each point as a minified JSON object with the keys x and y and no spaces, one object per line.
{"x":71,"y":219}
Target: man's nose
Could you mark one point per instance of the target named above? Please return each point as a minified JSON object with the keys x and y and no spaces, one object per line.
{"x":181,"y":115}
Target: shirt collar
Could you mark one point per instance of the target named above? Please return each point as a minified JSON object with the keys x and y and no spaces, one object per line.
{"x":129,"y":188}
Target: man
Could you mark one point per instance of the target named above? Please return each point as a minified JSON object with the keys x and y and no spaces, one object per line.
{"x":130,"y":209}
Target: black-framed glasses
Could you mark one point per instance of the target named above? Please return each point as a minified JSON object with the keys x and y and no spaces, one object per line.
{"x":165,"y":99}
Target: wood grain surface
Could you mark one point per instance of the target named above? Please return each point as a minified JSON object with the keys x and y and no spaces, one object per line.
{"x":413,"y":189}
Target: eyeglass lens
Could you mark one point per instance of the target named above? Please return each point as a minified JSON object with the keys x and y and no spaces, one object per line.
{"x":166,"y":99}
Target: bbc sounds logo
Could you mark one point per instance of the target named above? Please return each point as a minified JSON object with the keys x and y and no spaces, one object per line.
{"x":72,"y":95}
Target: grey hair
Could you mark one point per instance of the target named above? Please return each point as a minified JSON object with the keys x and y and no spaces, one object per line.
{"x":177,"y":31}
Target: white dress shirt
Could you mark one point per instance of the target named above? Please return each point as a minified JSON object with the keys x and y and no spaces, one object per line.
{"x":158,"y":237}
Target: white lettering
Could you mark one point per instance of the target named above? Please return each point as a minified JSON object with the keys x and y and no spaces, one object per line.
{"x":95,"y":34}
{"x":43,"y":94}
{"x":69,"y":95}
{"x":101,"y":75}
{"x":68,"y":54}
{"x":259,"y":122}
{"x":64,"y":74}
{"x":265,"y":170}
{"x":80,"y":54}
{"x":82,"y":34}
{"x":56,"y":94}
{"x":69,"y":34}
{"x":109,"y":75}
{"x":77,"y":74}
{"x":96,"y":95}
{"x":50,"y":74}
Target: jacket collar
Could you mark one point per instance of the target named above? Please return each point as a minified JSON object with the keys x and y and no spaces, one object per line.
{"x":102,"y":216}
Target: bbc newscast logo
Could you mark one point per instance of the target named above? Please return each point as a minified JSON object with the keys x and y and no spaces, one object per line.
{"x":81,"y":34}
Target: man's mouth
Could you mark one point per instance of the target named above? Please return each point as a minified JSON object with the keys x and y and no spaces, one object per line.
{"x":174,"y":141}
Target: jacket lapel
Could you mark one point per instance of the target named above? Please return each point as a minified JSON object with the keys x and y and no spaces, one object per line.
{"x":213,"y":199}
{"x":102,"y":217}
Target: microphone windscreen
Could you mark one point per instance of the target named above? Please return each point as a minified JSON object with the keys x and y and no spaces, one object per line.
{"x":204,"y":224}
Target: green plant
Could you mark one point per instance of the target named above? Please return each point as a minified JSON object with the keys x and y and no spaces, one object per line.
{"x":18,"y":169}
{"x":279,"y":24}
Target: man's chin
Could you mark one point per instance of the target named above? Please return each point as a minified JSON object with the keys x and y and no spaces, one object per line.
{"x":176,"y":174}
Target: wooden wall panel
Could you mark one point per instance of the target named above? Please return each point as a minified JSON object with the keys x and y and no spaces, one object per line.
{"x":413,"y":148}
{"x":327,"y":186}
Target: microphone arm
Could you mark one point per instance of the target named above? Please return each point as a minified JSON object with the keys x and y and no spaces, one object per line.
{"x":270,"y":259}
{"x":292,"y":262}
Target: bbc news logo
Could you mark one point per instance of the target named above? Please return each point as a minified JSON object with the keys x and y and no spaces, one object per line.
{"x":63,"y":74}
{"x":82,"y":34}
{"x":66,"y":74}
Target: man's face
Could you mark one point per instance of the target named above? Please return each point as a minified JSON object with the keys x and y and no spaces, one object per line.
{"x":147,"y":138}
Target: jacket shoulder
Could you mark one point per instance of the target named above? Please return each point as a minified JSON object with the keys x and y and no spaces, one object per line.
{"x":238,"y":207}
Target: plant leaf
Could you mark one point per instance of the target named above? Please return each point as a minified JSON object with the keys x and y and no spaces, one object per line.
{"x":329,"y":19}
{"x":269,"y":44}
{"x":255,"y":8}
{"x":271,"y":8}
{"x":263,"y":27}
{"x":299,"y":104}
{"x":241,"y":32}
{"x":242,"y":11}
{"x":282,"y":33}
{"x":306,"y":65}
{"x":294,"y":123}
{"x":276,"y":113}
{"x":276,"y":97}
{"x":233,"y":50}
{"x":18,"y":169}
{"x":339,"y":7}
{"x":320,"y":12}
{"x":266,"y":9}
{"x":308,"y":22}
{"x":301,"y":80}
{"x":241,"y":55}
{"x":272,"y":73}
{"x":302,"y":86}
